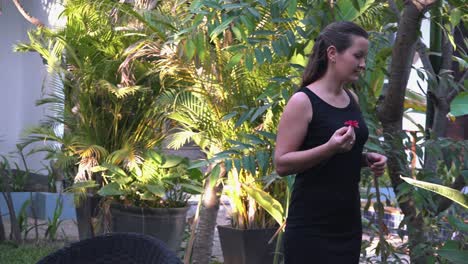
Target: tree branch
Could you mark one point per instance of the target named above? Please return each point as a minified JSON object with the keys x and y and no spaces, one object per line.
{"x":421,"y":48}
{"x":26,"y":15}
{"x":462,"y":79}
{"x":452,"y":94}
{"x":447,"y":52}
{"x":391,"y":108}
{"x":394,"y":8}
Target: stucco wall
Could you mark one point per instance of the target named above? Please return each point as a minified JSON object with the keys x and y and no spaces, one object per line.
{"x":21,"y":74}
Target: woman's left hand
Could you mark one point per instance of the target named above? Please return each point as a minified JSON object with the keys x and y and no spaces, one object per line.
{"x":376,"y":162}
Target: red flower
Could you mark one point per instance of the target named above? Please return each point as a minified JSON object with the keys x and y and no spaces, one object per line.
{"x":352,"y":123}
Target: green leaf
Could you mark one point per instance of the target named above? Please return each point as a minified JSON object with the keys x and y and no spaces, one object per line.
{"x":459,"y":105}
{"x":249,"y":164}
{"x":240,"y":145}
{"x":454,"y":255}
{"x":249,"y":61}
{"x":267,"y":54}
{"x":263,"y":160}
{"x":156,"y":189}
{"x":254,"y":12}
{"x":262,"y":2}
{"x":191,"y":188}
{"x":195,"y":174}
{"x":267,"y":202}
{"x":259,"y":56}
{"x":235,"y":6}
{"x":243,"y":118}
{"x":291,"y":37}
{"x":189,"y":49}
{"x":356,"y":4}
{"x":459,"y":225}
{"x":248,"y":22}
{"x":292,"y":7}
{"x":347,"y":10}
{"x":198,"y":164}
{"x":221,"y":28}
{"x":99,"y":169}
{"x":229,"y":116}
{"x":455,"y":16}
{"x":214,"y":175}
{"x":171,"y":161}
{"x":212,"y":4}
{"x":447,"y":192}
{"x":234,"y":60}
{"x":464,"y":173}
{"x":277,"y":47}
{"x":110,"y":189}
{"x":259,"y":112}
{"x":268,"y":135}
{"x":253,"y":139}
{"x":82,"y":185}
{"x":237,"y":165}
{"x":237,"y":33}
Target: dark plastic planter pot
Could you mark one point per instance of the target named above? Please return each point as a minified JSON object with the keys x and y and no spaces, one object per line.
{"x":247,"y":246}
{"x":167,"y":224}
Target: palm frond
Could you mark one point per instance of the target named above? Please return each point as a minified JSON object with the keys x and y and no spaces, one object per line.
{"x":179,"y":139}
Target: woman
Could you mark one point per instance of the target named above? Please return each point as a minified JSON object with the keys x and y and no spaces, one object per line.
{"x":321,"y":136}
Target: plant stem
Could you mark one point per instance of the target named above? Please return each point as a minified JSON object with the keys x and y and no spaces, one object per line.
{"x":380,"y":217}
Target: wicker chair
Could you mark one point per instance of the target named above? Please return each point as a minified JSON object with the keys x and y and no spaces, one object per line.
{"x":114,"y":248}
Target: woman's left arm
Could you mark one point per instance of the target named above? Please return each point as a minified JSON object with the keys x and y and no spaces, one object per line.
{"x":375,"y":161}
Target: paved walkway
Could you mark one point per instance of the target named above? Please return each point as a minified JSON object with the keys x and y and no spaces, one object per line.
{"x":68,"y":232}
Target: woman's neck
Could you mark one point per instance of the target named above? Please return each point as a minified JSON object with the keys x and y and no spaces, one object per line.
{"x":329,"y":84}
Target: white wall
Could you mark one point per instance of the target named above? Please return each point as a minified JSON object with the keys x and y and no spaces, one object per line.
{"x":21,"y":74}
{"x":414,"y":79}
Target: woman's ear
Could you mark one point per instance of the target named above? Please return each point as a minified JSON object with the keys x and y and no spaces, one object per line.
{"x":331,"y":53}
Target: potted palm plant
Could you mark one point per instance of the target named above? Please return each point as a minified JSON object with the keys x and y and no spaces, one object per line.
{"x":257,"y":199}
{"x":105,"y":84}
{"x":150,"y":195}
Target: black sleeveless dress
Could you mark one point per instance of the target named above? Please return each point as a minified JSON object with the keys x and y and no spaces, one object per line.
{"x":324,"y":220}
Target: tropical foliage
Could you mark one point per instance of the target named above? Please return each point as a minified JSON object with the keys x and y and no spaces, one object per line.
{"x":218,"y":73}
{"x":157,"y":180}
{"x":104,"y":98}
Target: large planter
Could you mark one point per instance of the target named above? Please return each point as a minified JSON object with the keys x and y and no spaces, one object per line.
{"x":247,"y":246}
{"x":166,"y":224}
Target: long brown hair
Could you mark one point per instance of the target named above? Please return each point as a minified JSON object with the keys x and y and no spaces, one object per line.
{"x":336,"y":34}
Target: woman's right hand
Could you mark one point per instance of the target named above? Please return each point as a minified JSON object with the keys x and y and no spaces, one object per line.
{"x":342,"y":140}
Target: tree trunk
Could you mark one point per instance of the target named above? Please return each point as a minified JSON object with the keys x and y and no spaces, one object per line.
{"x":203,"y":245}
{"x":15,"y":229}
{"x":390,"y":113}
{"x":2,"y":229}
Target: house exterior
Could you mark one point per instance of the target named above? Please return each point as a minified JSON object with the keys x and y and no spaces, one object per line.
{"x":21,"y":75}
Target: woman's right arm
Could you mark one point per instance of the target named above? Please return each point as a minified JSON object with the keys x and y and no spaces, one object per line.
{"x":292,"y":130}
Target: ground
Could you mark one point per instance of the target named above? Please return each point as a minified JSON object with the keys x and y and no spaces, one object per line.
{"x":68,"y":232}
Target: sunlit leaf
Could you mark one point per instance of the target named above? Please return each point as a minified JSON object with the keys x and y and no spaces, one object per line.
{"x":459,"y":105}
{"x":447,"y":192}
{"x":267,"y":202}
{"x":110,"y":189}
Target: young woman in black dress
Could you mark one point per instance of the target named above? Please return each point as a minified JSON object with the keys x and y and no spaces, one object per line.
{"x":320,"y":138}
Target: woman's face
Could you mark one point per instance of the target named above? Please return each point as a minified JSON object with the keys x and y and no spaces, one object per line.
{"x":351,"y":62}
